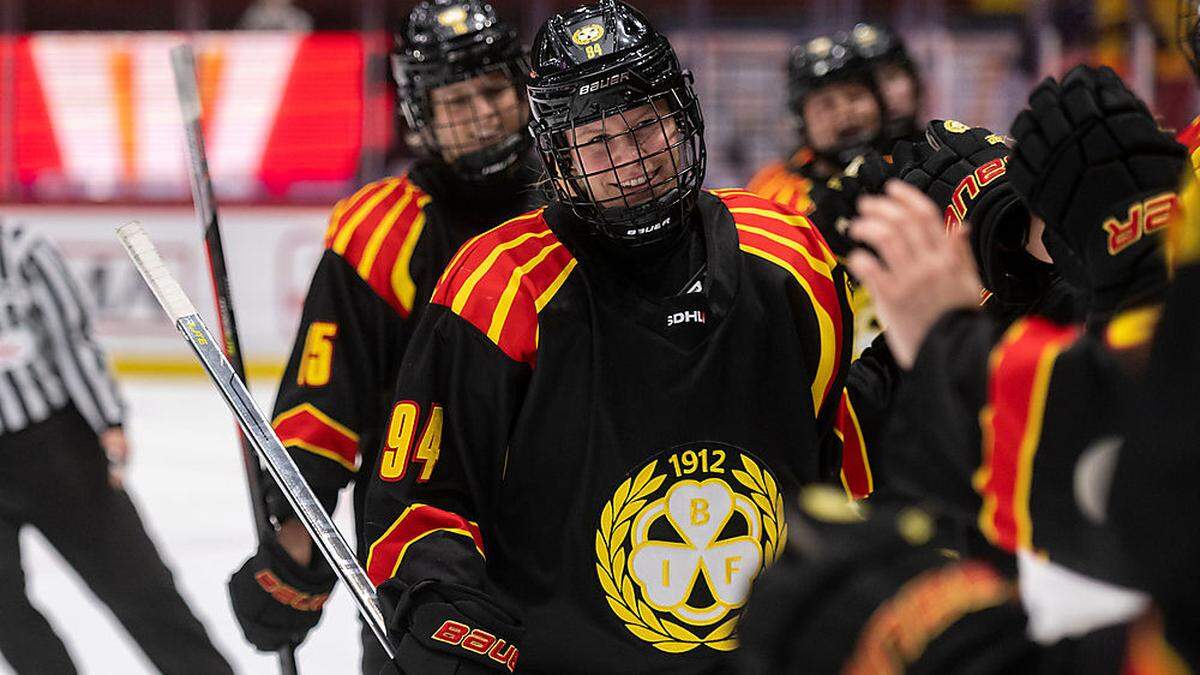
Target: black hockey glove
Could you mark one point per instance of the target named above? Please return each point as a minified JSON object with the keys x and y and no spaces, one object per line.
{"x":1090,"y":160}
{"x":441,"y":628}
{"x":835,"y":202}
{"x":963,"y":170}
{"x":275,"y":599}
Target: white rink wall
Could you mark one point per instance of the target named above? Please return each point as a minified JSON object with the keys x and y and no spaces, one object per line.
{"x":186,"y":481}
{"x":271,"y":253}
{"x":186,"y":476}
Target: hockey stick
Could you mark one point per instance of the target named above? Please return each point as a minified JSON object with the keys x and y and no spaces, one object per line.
{"x":183,"y":65}
{"x":256,"y":427}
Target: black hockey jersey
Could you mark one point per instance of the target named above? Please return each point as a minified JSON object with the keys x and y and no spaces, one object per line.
{"x":384,"y":249}
{"x":614,"y":466}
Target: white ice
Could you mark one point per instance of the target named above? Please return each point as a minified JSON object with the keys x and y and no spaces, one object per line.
{"x":186,"y":481}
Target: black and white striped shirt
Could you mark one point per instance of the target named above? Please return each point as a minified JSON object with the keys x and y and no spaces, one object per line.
{"x":48,"y":358}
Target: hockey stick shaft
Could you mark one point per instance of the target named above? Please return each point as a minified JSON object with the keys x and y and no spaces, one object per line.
{"x":256,"y":427}
{"x":183,"y":65}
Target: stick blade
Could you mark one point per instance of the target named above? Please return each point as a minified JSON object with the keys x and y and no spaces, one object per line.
{"x":152,"y":268}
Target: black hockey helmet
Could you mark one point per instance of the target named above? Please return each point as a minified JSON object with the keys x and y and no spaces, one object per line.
{"x":447,"y":41}
{"x":818,"y":63}
{"x":878,"y":44}
{"x":882,"y":48}
{"x":603,"y":65}
{"x":1187,"y":32}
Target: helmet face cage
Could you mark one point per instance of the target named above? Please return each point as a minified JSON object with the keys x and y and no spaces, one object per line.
{"x":480,"y":130}
{"x":634,"y":167}
{"x":1187,"y":32}
{"x":819,"y":63}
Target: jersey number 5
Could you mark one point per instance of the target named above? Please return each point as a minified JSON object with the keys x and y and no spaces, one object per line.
{"x":401,"y":434}
{"x":317,"y":361}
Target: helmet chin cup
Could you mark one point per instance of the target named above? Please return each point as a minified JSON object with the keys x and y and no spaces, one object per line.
{"x":494,"y":162}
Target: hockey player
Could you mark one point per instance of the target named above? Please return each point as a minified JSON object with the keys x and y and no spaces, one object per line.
{"x":839,"y":113}
{"x":610,"y":399}
{"x":897,"y":77}
{"x":460,"y":72}
{"x":62,"y":451}
{"x":1029,"y":422}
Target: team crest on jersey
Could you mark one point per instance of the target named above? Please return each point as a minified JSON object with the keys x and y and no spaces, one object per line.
{"x":682,"y":539}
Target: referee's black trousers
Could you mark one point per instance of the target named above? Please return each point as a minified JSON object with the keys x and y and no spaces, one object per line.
{"x":54,"y":477}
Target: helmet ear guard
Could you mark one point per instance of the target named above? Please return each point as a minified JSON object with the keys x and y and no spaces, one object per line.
{"x":602,"y":71}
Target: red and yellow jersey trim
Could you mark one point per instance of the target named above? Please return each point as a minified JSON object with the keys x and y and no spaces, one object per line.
{"x":779,"y":183}
{"x":1020,"y":369}
{"x":856,"y":467}
{"x":901,"y":629}
{"x":414,"y":524}
{"x":375,"y":231}
{"x":502,"y":279}
{"x":1183,"y":235}
{"x":1147,"y":651}
{"x":790,"y":241}
{"x":307,"y":428}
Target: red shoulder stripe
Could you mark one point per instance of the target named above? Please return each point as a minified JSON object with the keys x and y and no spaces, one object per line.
{"x":502,"y":279}
{"x":476,"y":251}
{"x":1011,"y":423}
{"x":1190,"y":136}
{"x":390,"y":270}
{"x":307,"y":428}
{"x":346,"y":208}
{"x":417,"y":521}
{"x":790,"y":241}
{"x":351,"y":240}
{"x":514,"y":322}
{"x":856,"y":468}
{"x":823,"y":291}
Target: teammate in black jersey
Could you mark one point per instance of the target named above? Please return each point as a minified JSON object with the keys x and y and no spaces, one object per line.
{"x":460,"y":72}
{"x":839,"y":113}
{"x":610,"y":399}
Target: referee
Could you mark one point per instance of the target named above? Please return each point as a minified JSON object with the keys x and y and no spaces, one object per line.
{"x":61,"y":453}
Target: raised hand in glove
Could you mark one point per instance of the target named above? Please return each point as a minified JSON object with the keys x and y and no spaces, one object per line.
{"x":277,"y":600}
{"x":834,"y":203}
{"x":963,"y":169}
{"x":442,"y":628}
{"x":1090,"y":160}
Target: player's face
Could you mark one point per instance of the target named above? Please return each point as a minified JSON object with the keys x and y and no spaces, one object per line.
{"x":841,"y":113}
{"x":899,"y":90}
{"x":475,"y":113}
{"x":629,"y":158}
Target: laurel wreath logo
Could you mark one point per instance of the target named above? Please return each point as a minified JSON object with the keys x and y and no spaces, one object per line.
{"x":615,"y":521}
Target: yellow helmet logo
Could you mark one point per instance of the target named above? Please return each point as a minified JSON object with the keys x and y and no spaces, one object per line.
{"x":819,"y":47}
{"x":586,"y":35}
{"x":455,"y":19}
{"x":955,"y":127}
{"x":865,"y":34}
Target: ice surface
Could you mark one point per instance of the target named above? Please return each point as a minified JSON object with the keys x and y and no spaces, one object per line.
{"x":186,"y":480}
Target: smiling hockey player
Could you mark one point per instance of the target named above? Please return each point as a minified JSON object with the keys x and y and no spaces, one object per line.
{"x":606,"y":406}
{"x":461,"y":73}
